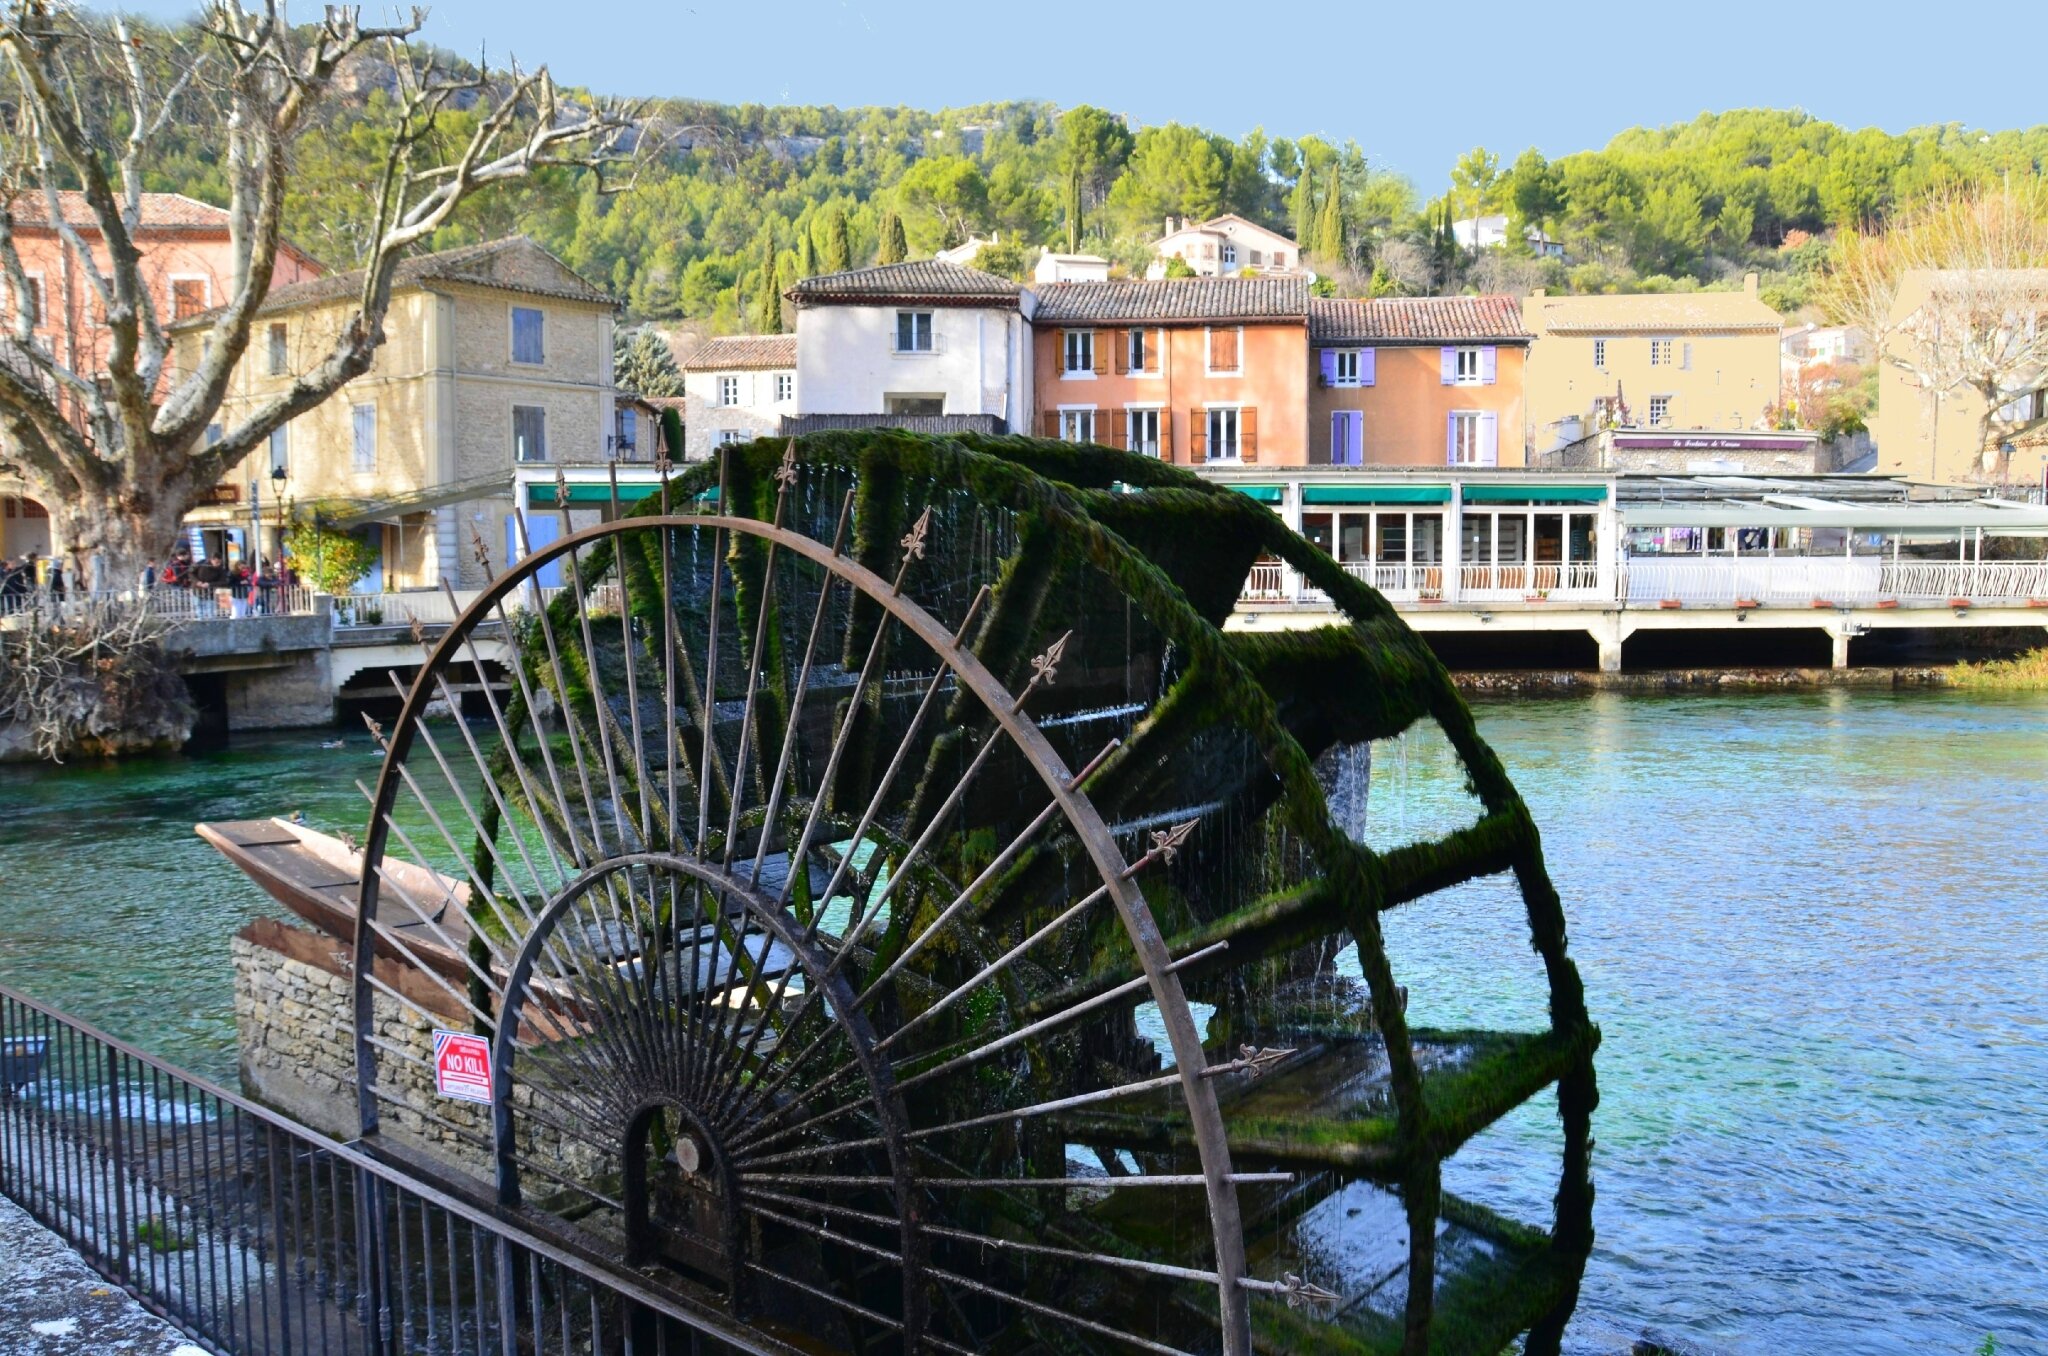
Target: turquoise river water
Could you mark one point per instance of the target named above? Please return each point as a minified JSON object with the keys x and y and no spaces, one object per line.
{"x":1814,"y":930}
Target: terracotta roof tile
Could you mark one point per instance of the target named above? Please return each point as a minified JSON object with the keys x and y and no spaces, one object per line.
{"x":741,"y":352}
{"x":1422,"y":320}
{"x":477,"y":265}
{"x":919,"y":280}
{"x":1650,"y":312}
{"x":1165,"y":300}
{"x":160,"y":211}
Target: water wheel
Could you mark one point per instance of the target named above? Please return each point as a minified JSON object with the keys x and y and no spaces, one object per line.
{"x":903,"y":920}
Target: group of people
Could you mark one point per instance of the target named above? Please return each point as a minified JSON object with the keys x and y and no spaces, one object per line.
{"x":255,"y":588}
{"x":29,"y":575}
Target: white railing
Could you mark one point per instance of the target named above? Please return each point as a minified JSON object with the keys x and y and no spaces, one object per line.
{"x":431,"y":607}
{"x":178,"y":604}
{"x":1690,"y":581}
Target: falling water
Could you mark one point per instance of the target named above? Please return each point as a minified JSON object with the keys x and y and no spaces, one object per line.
{"x":1345,"y":771}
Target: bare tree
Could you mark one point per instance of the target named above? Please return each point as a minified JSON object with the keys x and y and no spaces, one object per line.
{"x":119,"y":455}
{"x":1954,"y":292}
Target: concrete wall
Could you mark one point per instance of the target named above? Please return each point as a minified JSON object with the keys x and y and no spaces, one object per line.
{"x":1272,"y":377}
{"x":847,"y":364}
{"x":1407,"y":408}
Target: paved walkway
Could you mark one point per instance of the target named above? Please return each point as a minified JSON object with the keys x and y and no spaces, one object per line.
{"x":53,"y":1304}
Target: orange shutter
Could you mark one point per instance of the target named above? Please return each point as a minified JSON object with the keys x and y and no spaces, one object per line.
{"x":1222,"y":350}
{"x":1166,"y":434}
{"x":1248,"y":434}
{"x":1049,"y":423}
{"x":1095,"y":348}
{"x":1198,"y":436}
{"x":1120,"y":350}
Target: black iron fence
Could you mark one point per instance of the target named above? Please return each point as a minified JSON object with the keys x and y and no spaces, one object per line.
{"x":257,"y":1235}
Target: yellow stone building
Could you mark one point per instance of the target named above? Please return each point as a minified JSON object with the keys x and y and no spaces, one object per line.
{"x":495,"y":355}
{"x":1691,"y":360}
{"x":1940,"y":433}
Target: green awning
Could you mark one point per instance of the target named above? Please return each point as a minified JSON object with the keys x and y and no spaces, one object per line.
{"x":1265,"y":494}
{"x":1535,"y":494}
{"x":600,"y":492}
{"x":1376,"y":494}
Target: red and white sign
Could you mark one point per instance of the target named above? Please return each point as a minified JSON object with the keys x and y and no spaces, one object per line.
{"x":462,"y":1066}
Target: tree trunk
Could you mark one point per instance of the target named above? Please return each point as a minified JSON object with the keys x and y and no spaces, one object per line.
{"x":104,"y":546}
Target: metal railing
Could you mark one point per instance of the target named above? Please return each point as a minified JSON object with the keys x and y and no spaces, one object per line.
{"x":1529,"y":580}
{"x":431,"y":607}
{"x":259,"y":1236}
{"x":178,"y":604}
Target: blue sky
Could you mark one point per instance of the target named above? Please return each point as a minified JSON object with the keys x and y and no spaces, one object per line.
{"x":1414,"y":84}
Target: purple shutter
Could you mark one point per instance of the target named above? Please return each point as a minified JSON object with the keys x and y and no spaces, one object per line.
{"x":1450,"y":437}
{"x":1489,"y":365}
{"x":1489,"y":439}
{"x":1329,"y":367}
{"x":1356,"y":449}
{"x":1448,"y":371}
{"x":1366,"y":374}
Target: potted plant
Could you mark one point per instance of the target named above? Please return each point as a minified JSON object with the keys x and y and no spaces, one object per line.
{"x":1747,"y":604}
{"x":1886,"y":604}
{"x":1670,"y":604}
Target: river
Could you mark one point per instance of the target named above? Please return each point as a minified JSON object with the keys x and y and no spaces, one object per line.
{"x":1814,"y":931}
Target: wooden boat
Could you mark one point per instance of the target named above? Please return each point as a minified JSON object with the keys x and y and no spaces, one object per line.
{"x":319,"y":877}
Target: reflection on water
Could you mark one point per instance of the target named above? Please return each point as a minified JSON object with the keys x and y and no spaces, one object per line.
{"x":1813,"y":928}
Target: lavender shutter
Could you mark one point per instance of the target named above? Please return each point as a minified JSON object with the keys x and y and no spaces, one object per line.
{"x":1447,"y":373}
{"x":1329,"y":367}
{"x":1489,"y":439}
{"x":1355,"y":446}
{"x":1450,"y":437}
{"x":1366,"y":367}
{"x":1489,"y":365}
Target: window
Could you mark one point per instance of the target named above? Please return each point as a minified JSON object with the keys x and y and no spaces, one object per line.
{"x":1344,"y":367}
{"x":728,"y":391}
{"x":1141,"y":428}
{"x":1258,"y":258}
{"x":1600,"y":354}
{"x":529,"y":335}
{"x":913,"y":331}
{"x":279,"y":355}
{"x":362,"y":453}
{"x":1139,"y":356}
{"x":785,"y":387}
{"x":1223,"y":350}
{"x":33,"y":301}
{"x":625,"y":430}
{"x":188,"y":296}
{"x":280,"y":449}
{"x":212,"y":434}
{"x":1468,"y":365}
{"x":914,"y":406}
{"x":529,"y":433}
{"x":1473,"y":438}
{"x":726,"y":435}
{"x":1230,"y":256}
{"x":1279,"y":258}
{"x":1077,"y":426}
{"x":1078,"y":352}
{"x":1660,"y":411}
{"x":1223,"y":431}
{"x":1660,"y":353}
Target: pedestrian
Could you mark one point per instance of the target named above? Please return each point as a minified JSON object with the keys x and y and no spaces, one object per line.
{"x":148,"y":578}
{"x":266,"y":587}
{"x":55,"y":582}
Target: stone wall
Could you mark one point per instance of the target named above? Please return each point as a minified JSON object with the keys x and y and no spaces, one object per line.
{"x":294,"y":1019}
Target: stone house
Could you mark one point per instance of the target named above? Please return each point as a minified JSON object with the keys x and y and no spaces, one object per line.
{"x":1942,"y":434}
{"x":736,"y":388}
{"x":495,"y":355}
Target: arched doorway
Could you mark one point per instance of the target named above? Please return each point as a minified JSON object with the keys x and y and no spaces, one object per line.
{"x":24,"y":526}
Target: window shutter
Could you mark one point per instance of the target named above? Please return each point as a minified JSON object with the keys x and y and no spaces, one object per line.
{"x":1198,"y":435}
{"x":1329,"y":367}
{"x":1154,"y":343}
{"x":1489,"y":439}
{"x":1448,"y":366}
{"x":1489,"y":365}
{"x":1120,"y":343}
{"x":1450,"y":437}
{"x":1166,"y":434}
{"x":1049,"y":423}
{"x":1222,"y":350}
{"x":1366,"y":373}
{"x":1248,"y":434}
{"x":1357,"y":444}
{"x":1100,"y":359}
{"x":1316,"y":456}
{"x":1685,"y":357}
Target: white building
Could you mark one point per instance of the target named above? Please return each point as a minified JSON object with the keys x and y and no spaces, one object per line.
{"x":1491,"y":233}
{"x":1811,"y":345}
{"x":916,"y":341}
{"x":736,"y":388}
{"x":1052,"y":268}
{"x":1224,"y":247}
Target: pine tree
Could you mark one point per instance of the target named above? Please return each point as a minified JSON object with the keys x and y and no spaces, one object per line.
{"x":893,"y":249}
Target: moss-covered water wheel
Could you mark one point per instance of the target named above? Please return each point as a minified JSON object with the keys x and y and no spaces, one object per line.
{"x":869,"y":818}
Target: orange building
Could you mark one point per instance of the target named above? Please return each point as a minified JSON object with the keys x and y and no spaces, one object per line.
{"x":1189,"y":370}
{"x":1418,"y":381}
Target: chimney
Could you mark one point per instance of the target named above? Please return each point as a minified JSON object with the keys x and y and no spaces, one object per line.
{"x":1538,"y":292}
{"x":1169,"y":225}
{"x":1749,"y":283}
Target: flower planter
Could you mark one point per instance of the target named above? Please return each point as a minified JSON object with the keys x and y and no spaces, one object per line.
{"x":1747,"y":604}
{"x":1535,"y":597}
{"x":1822,"y":602}
{"x":1670,"y":604}
{"x":1885,"y":604}
{"x":1960,"y":603}
{"x":2037,"y":602}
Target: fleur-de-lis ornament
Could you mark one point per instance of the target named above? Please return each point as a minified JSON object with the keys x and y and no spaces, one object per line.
{"x":1166,"y":842}
{"x":662,"y":465}
{"x":913,"y":541}
{"x":561,"y":490}
{"x":376,"y":730}
{"x":1301,"y":1292}
{"x":1259,"y":1060}
{"x":480,"y":551}
{"x":419,"y":634}
{"x":785,"y":474}
{"x":1046,"y":667}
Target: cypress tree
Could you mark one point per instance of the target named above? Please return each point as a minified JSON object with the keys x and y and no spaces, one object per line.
{"x":806,"y":255}
{"x":767,"y":317}
{"x":893,"y":248}
{"x":1074,"y":222}
{"x":835,"y":253}
{"x":1330,"y":222}
{"x":1305,"y":213}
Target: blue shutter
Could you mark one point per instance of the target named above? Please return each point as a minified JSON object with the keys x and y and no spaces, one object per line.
{"x":1366,"y":373}
{"x":1329,"y":367}
{"x":1447,"y":361}
{"x":1356,"y":447}
{"x":1489,"y":365}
